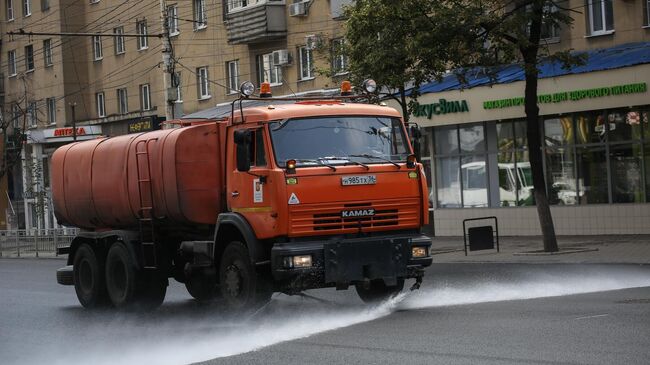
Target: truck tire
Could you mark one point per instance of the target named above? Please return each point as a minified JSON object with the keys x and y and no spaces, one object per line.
{"x":88,"y":278}
{"x":129,"y":288}
{"x":240,"y":285}
{"x":378,"y":291}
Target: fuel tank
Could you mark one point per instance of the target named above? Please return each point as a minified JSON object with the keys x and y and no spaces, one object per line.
{"x":109,"y":183}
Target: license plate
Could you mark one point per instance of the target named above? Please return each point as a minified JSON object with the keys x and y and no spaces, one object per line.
{"x":359,"y":180}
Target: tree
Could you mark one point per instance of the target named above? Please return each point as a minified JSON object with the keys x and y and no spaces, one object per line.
{"x":416,"y":40}
{"x":384,"y":41}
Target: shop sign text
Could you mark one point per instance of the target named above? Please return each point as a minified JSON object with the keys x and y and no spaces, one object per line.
{"x":574,"y":95}
{"x":66,"y":132}
{"x":141,"y":125}
{"x":441,"y":107}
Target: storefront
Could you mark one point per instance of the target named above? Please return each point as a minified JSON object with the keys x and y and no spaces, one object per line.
{"x":596,"y":141}
{"x":36,"y":155}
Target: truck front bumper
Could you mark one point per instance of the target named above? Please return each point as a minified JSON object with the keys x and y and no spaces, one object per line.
{"x":343,"y":262}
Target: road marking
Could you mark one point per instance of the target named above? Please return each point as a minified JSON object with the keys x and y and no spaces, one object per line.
{"x":596,"y":316}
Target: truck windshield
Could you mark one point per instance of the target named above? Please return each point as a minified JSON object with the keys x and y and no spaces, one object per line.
{"x":339,"y":140}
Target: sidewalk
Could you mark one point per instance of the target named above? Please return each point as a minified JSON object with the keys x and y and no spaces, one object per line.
{"x":628,"y":249}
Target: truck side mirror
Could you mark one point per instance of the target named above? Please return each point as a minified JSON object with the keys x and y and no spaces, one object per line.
{"x":416,"y":134}
{"x":243,"y":141}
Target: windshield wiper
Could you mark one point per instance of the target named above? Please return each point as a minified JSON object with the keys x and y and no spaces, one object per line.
{"x":316,"y":162}
{"x":365,"y":155}
{"x":346,"y":159}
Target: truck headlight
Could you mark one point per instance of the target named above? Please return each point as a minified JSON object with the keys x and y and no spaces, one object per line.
{"x":419,"y":252}
{"x":295,"y":262}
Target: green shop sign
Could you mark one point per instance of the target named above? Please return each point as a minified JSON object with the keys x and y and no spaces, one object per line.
{"x":574,"y":95}
{"x":441,"y":107}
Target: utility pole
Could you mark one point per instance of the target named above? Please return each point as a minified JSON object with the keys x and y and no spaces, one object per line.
{"x":168,"y":65}
{"x":74,"y":122}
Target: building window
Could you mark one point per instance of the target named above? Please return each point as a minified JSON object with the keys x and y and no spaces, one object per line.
{"x":267,"y":72}
{"x":119,"y":40}
{"x":232,"y":68}
{"x":97,"y":48}
{"x":646,"y":12}
{"x":47,"y":52}
{"x":200,"y":18}
{"x":203,"y":82}
{"x":16,"y":115}
{"x":122,"y":101}
{"x":141,"y":28}
{"x":11,"y":58}
{"x":10,"y":9}
{"x":101,"y":104}
{"x":51,"y":110}
{"x":145,"y":97}
{"x":515,"y":174}
{"x":27,"y":7}
{"x":306,"y":63}
{"x":172,"y":20}
{"x":339,"y":60}
{"x":31,"y":114}
{"x":239,"y":4}
{"x":461,"y":166}
{"x":550,"y":28}
{"x":29,"y":58}
{"x":600,"y":16}
{"x":45,"y":5}
{"x":179,"y":89}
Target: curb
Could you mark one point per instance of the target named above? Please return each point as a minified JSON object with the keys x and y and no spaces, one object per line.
{"x":564,"y":251}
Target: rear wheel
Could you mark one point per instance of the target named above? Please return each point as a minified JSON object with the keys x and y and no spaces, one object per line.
{"x":378,"y":291}
{"x":240,"y":285}
{"x":128,"y":287}
{"x":88,"y":278}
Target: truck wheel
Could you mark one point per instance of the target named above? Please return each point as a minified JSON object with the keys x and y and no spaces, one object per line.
{"x":88,"y":277}
{"x":378,"y":291}
{"x":202,"y":287}
{"x":128,"y":287}
{"x":240,"y":285}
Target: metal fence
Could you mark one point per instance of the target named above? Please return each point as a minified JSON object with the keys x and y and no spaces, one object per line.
{"x":33,"y":242}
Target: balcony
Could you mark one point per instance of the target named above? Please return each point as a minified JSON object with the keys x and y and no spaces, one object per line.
{"x":263,"y":21}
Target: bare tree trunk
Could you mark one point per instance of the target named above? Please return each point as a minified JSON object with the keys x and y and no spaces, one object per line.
{"x":529,"y":54}
{"x":404,"y":104}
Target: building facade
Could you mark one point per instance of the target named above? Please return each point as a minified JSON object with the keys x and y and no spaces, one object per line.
{"x":111,"y":80}
{"x":596,"y":136}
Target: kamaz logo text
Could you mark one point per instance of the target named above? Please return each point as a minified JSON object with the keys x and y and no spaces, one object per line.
{"x":357,"y":213}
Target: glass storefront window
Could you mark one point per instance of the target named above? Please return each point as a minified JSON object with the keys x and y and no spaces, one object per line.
{"x":560,"y":176}
{"x":472,"y":139}
{"x":474,"y":176}
{"x":524,"y":182}
{"x":646,"y":158}
{"x":448,"y":182}
{"x":558,"y":131}
{"x":505,"y":136}
{"x":625,"y":167}
{"x":645,"y":115}
{"x":592,"y":175}
{"x":590,"y":128}
{"x":624,"y":125}
{"x":521,"y":135}
{"x":446,"y":140}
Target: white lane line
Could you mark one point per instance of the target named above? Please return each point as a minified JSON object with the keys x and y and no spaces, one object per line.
{"x":595,"y":316}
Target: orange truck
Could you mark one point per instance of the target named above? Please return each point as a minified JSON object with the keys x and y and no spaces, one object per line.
{"x":284,"y":197}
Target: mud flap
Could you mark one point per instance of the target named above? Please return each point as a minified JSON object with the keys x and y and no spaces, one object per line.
{"x":355,"y":261}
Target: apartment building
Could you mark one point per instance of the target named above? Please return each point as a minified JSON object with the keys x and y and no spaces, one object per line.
{"x":111,"y":81}
{"x":596,"y":134}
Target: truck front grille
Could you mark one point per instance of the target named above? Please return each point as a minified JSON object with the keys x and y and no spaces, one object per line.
{"x":326,"y":218}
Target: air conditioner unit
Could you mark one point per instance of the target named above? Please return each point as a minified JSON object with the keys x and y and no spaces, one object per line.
{"x":312,"y":41}
{"x":298,"y":9}
{"x":281,"y":57}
